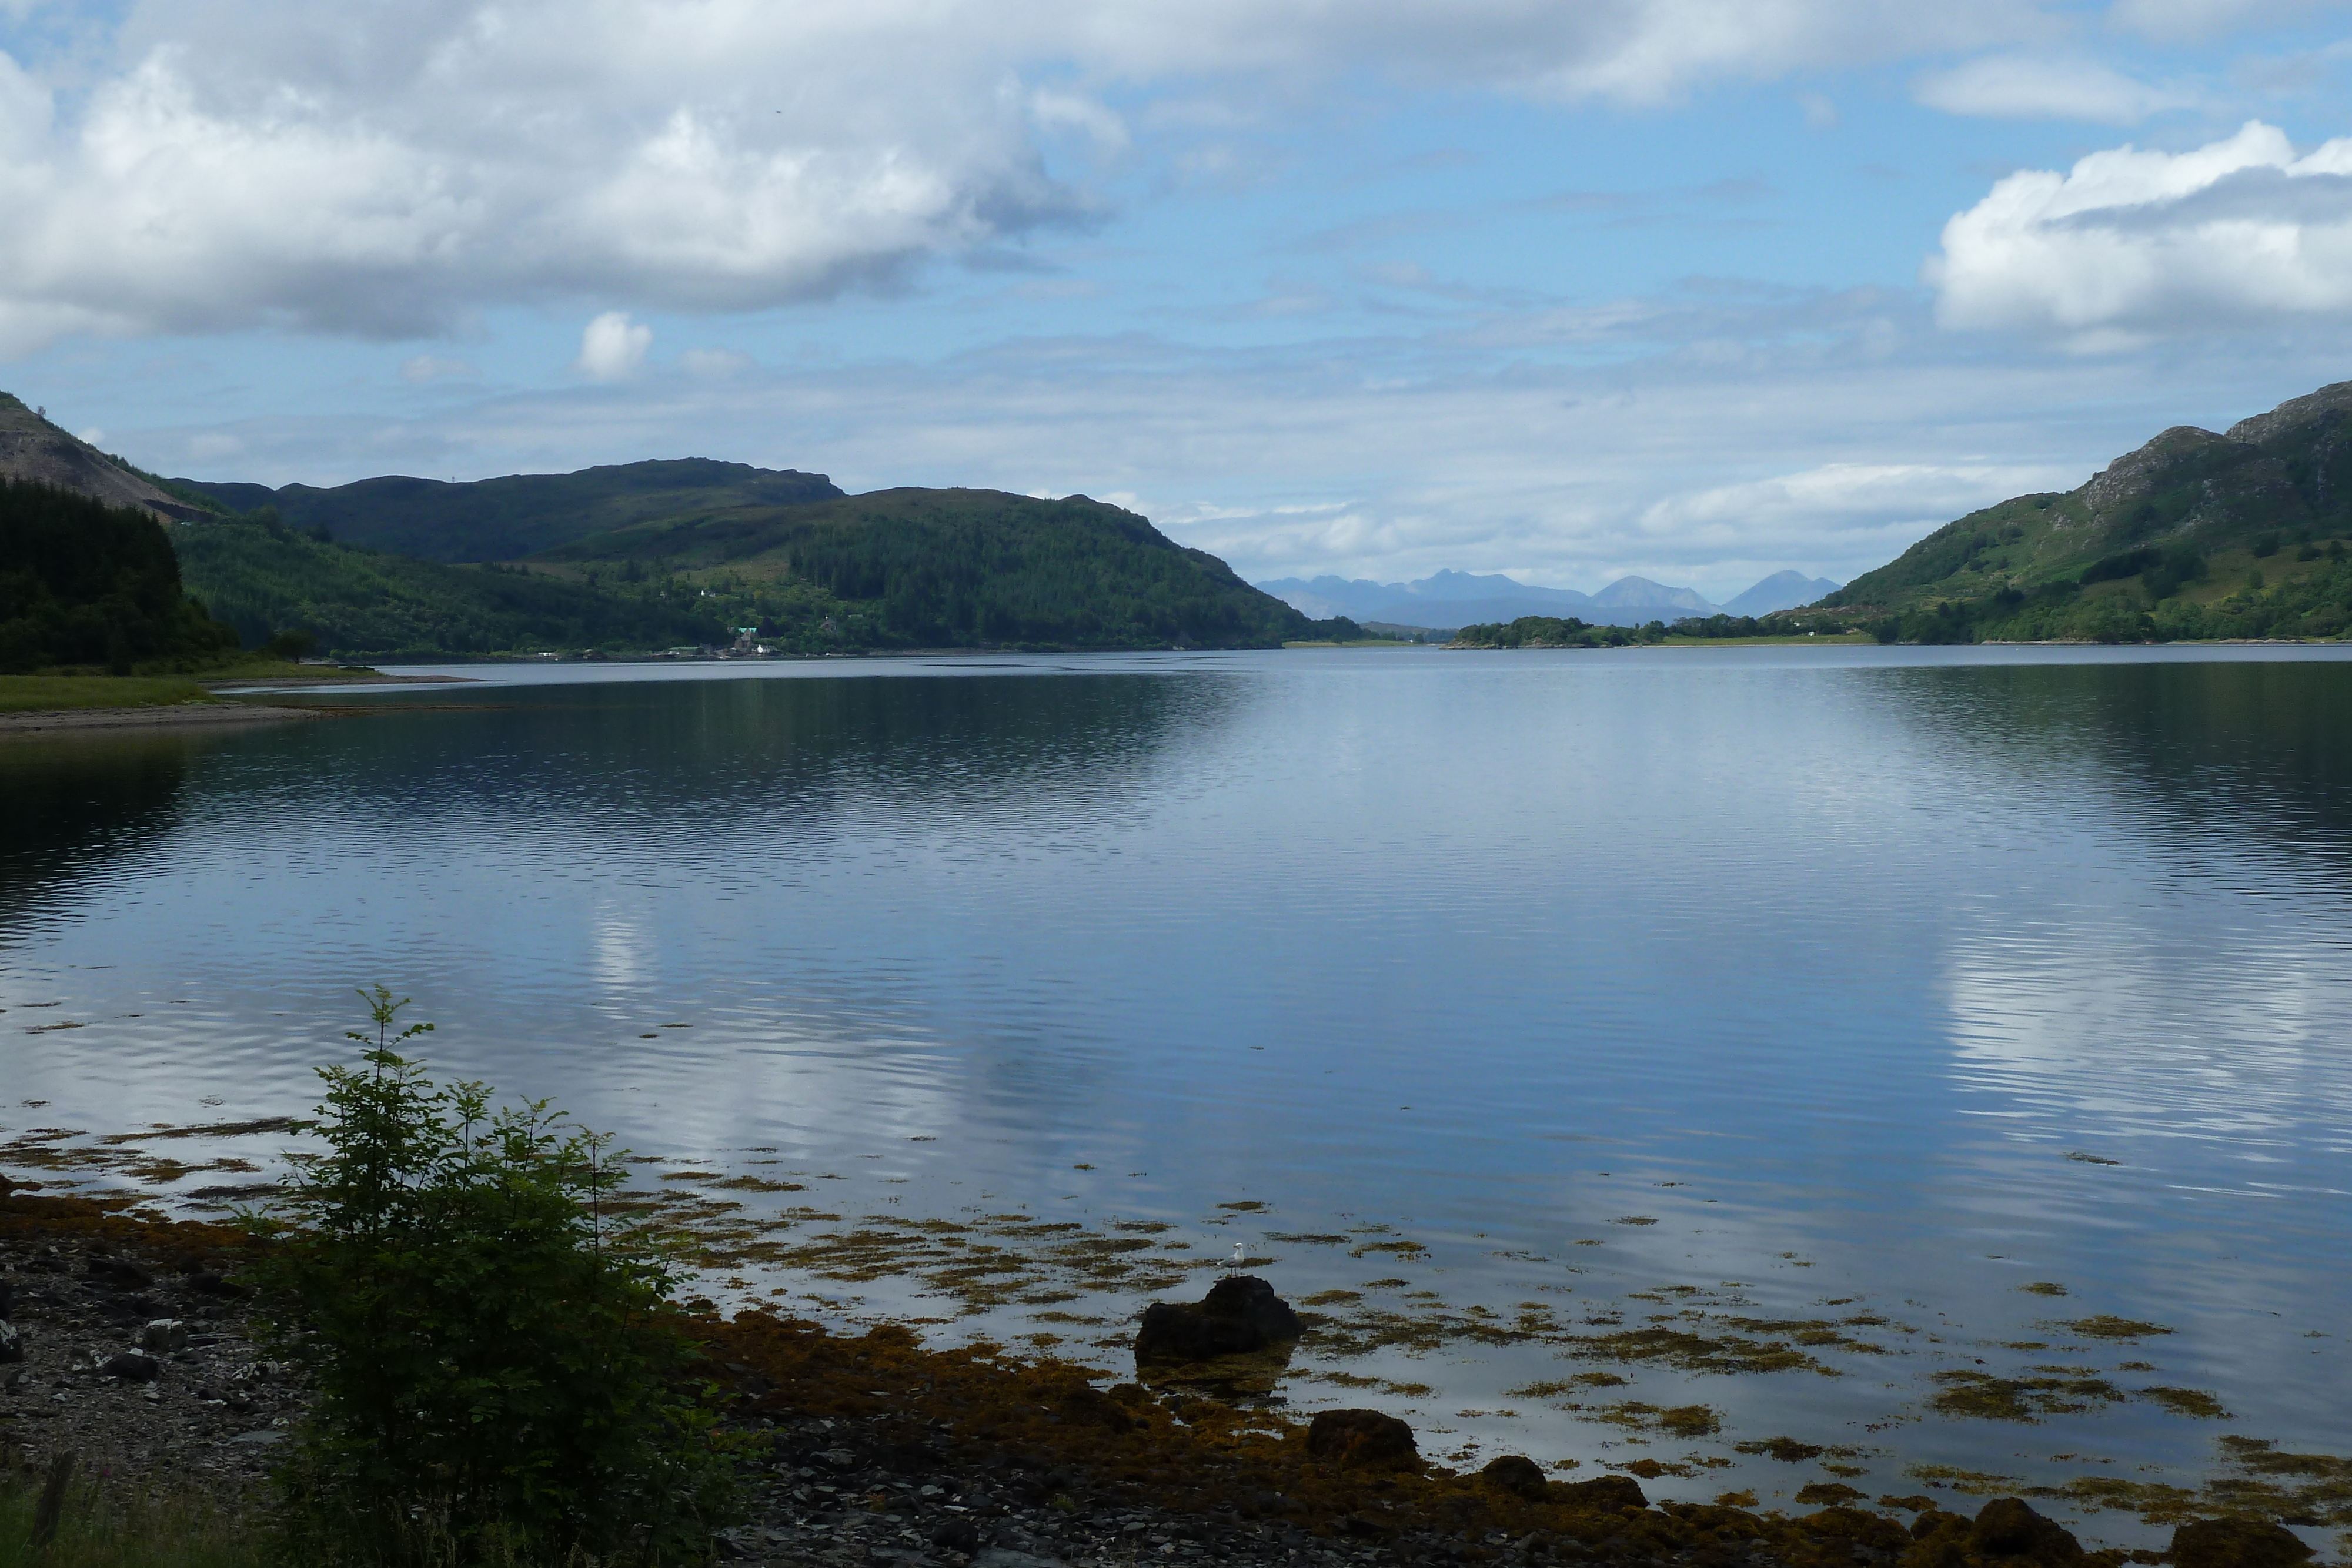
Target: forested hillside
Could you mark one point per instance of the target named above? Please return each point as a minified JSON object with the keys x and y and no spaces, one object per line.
{"x":947,"y":569}
{"x":633,"y":557}
{"x":264,"y":578}
{"x":501,"y":519}
{"x":2193,"y":536}
{"x":83,"y":583}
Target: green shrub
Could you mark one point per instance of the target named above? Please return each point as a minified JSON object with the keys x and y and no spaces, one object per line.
{"x":498,"y":1375}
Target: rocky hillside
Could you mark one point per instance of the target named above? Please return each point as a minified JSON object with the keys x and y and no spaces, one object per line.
{"x":31,"y":448}
{"x":2281,"y":477}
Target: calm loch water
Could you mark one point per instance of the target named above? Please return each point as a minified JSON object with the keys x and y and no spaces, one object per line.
{"x":1670,"y":992}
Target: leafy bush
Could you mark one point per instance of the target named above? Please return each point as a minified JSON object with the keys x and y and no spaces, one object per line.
{"x":499,"y":1376}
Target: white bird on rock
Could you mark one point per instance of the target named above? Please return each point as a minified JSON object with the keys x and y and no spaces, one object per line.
{"x":1238,"y":1255}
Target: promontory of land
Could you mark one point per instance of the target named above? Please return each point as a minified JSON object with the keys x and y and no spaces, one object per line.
{"x":636,"y":558}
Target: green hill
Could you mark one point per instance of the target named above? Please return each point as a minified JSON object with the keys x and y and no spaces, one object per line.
{"x":264,"y":578}
{"x":900,"y":568}
{"x":945,"y":569}
{"x":2194,"y":535}
{"x":82,"y":582}
{"x":501,"y":519}
{"x":627,"y":558}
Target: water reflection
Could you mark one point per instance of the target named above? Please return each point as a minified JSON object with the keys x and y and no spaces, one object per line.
{"x":74,"y":803}
{"x":1597,"y":975}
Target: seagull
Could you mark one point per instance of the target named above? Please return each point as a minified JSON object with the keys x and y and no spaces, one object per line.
{"x":1238,"y":1254}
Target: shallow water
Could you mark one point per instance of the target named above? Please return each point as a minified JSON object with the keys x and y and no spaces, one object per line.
{"x":1824,"y":961}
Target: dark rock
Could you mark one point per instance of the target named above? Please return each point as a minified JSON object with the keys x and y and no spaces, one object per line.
{"x":7,"y":1299}
{"x":1602,"y":1494}
{"x":122,"y":1273}
{"x":908,"y":1458}
{"x":12,"y":1343}
{"x":1084,"y":1406}
{"x":1240,"y":1315}
{"x":956,"y":1534}
{"x":2006,"y":1527}
{"x":204,"y":1282}
{"x":2236,"y":1543}
{"x":1516,"y":1474}
{"x":1360,"y":1437}
{"x":1935,"y":1519}
{"x":132,"y":1366}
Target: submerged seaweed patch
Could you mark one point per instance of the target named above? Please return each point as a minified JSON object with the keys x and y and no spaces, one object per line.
{"x":1788,"y":1450}
{"x":1987,"y":1397}
{"x":2193,"y":1402}
{"x":2102,"y":1325}
{"x":1690,"y":1352}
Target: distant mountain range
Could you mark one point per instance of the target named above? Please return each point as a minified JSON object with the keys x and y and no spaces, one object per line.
{"x":1456,"y":599}
{"x":1782,"y":590}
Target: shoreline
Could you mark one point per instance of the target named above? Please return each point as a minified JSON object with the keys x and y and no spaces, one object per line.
{"x":873,"y":1450}
{"x":174,"y":716}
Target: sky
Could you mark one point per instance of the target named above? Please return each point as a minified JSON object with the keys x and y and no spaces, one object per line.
{"x":1696,"y":289}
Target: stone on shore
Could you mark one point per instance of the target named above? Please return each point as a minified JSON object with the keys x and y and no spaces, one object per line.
{"x":2236,"y":1543}
{"x":1516,"y":1474}
{"x":132,"y":1366}
{"x":1360,"y":1437}
{"x":1602,"y":1494}
{"x":2007,"y":1527}
{"x":163,"y":1335}
{"x":1240,"y":1315}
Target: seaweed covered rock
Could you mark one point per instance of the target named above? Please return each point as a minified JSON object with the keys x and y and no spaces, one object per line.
{"x":2007,"y":1527}
{"x":1516,"y":1474}
{"x":1088,"y":1407}
{"x":2236,"y":1543}
{"x":1360,"y":1437}
{"x":1240,"y":1314}
{"x":1602,"y":1494}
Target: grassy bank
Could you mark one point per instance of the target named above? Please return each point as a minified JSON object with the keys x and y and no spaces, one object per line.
{"x":121,"y":1523}
{"x":45,"y":694}
{"x":74,"y":692}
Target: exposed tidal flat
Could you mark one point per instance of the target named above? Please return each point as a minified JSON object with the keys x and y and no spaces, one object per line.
{"x":1913,"y":1071}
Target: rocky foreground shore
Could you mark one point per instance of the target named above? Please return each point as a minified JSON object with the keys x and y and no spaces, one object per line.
{"x":126,"y":1344}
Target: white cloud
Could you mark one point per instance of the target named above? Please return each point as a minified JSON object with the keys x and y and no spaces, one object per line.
{"x":1835,"y":497}
{"x":2028,"y":87}
{"x":389,"y":170}
{"x":1289,"y":460}
{"x":613,"y":347}
{"x":2131,"y":244}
